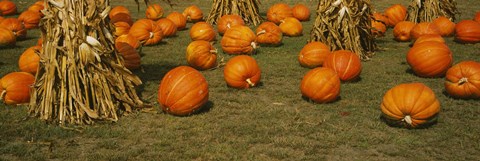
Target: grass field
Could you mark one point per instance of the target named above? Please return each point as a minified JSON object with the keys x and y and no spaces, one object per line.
{"x":269,"y":122}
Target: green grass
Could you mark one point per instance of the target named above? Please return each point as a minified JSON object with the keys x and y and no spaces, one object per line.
{"x":269,"y":122}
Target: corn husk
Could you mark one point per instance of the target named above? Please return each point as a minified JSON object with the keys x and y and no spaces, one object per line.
{"x":428,"y":10}
{"x":247,"y":9}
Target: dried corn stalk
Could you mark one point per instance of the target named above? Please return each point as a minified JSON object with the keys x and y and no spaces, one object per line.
{"x":345,"y":24}
{"x":80,"y":79}
{"x":248,"y":9}
{"x":428,"y":10}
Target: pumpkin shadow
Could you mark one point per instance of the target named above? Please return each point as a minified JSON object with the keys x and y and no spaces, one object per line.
{"x":152,"y":72}
{"x":205,"y":108}
{"x":313,"y":102}
{"x":402,"y":124}
{"x":358,"y":79}
{"x":410,"y":71}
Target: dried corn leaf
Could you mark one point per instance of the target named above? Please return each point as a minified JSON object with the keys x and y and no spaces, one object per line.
{"x":247,"y":9}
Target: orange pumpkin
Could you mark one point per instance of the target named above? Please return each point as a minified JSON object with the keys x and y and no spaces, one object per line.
{"x":430,"y":59}
{"x":291,"y":27}
{"x":202,"y":31}
{"x":278,"y":12}
{"x":30,"y":59}
{"x":131,"y":58}
{"x":477,"y":17}
{"x":345,"y":63}
{"x":122,"y":17}
{"x":239,"y":40}
{"x":146,"y":31}
{"x":467,"y":31}
{"x":445,"y":26}
{"x":182,"y":91}
{"x":424,"y":28}
{"x":380,"y":18}
{"x":15,"y":26}
{"x":154,"y":12}
{"x":1,"y":18}
{"x":37,"y":7}
{"x":128,"y":39}
{"x":269,"y":33}
{"x":378,"y":28}
{"x":7,"y":38}
{"x":301,"y":12}
{"x":8,"y":7}
{"x":40,"y":41}
{"x":401,"y":31}
{"x":320,"y":85}
{"x":168,"y":27}
{"x":179,"y":20}
{"x":463,"y":80}
{"x":193,"y":13}
{"x":395,"y":14}
{"x":201,"y":55}
{"x":242,"y":72}
{"x":29,"y":19}
{"x":313,"y":54}
{"x":16,"y":87}
{"x":227,"y":21}
{"x":118,"y":9}
{"x":121,"y":28}
{"x":410,"y":105}
{"x":425,"y":38}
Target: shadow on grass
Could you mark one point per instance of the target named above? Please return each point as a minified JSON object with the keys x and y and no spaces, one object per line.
{"x":204,"y":109}
{"x":402,"y":124}
{"x":313,"y":102}
{"x":358,"y":79}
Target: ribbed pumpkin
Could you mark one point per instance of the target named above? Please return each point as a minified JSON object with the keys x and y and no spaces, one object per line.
{"x":16,"y":87}
{"x":146,"y":31}
{"x":401,"y":31}
{"x":202,"y":31}
{"x":201,"y":55}
{"x":154,"y":12}
{"x":313,"y":54}
{"x":345,"y":63}
{"x":7,"y":38}
{"x":378,"y":28}
{"x":118,"y":9}
{"x":121,"y":28}
{"x":242,"y":72}
{"x":239,"y":40}
{"x":122,"y":17}
{"x":380,"y":17}
{"x":182,"y":91}
{"x":320,"y":85}
{"x":179,"y":20}
{"x":131,"y":58}
{"x":227,"y":21}
{"x":424,"y":28}
{"x":301,"y":12}
{"x":168,"y":27}
{"x":193,"y":13}
{"x":463,"y":80}
{"x":37,"y":7}
{"x":291,"y":27}
{"x":430,"y":59}
{"x":8,"y":7}
{"x":269,"y":33}
{"x":15,"y":26}
{"x":395,"y":14}
{"x":29,"y":60}
{"x":477,"y":17}
{"x":410,"y":105}
{"x":425,"y":38}
{"x":29,"y":19}
{"x":278,"y":12}
{"x":128,"y":39}
{"x":467,"y":31}
{"x":445,"y":26}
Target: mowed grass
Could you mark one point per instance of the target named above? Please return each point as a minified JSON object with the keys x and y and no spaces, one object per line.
{"x":269,"y":122}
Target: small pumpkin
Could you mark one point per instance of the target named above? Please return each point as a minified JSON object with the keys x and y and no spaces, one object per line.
{"x":179,"y":20}
{"x":301,"y":12}
{"x":168,"y":27}
{"x":201,"y":55}
{"x":30,"y":59}
{"x":154,"y":12}
{"x":29,"y":19}
{"x":378,"y":28}
{"x":279,"y":11}
{"x":291,"y":27}
{"x":269,"y":33}
{"x":146,"y":31}
{"x":8,"y":7}
{"x":463,"y":80}
{"x":131,"y":58}
{"x":430,"y":59}
{"x":424,"y":28}
{"x":345,"y":63}
{"x":37,"y":7}
{"x":15,"y":26}
{"x":122,"y":17}
{"x":193,"y":13}
{"x":16,"y":88}
{"x":401,"y":31}
{"x":118,"y":9}
{"x":445,"y":26}
{"x":410,"y":105}
{"x":467,"y":31}
{"x":121,"y":28}
{"x":202,"y":31}
{"x":395,"y":14}
{"x":242,"y":72}
{"x":313,"y":54}
{"x":239,"y":40}
{"x":380,"y":18}
{"x":227,"y":21}
{"x":425,"y":38}
{"x":7,"y":38}
{"x":128,"y":39}
{"x":320,"y":85}
{"x":182,"y":91}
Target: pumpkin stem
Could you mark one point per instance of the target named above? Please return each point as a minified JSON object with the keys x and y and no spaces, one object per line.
{"x":214,"y":51}
{"x":408,"y":119}
{"x":151,"y":35}
{"x":250,"y":82}
{"x":462,"y":81}
{"x":261,"y":32}
{"x":2,"y":95}
{"x":228,"y":25}
{"x":254,"y":45}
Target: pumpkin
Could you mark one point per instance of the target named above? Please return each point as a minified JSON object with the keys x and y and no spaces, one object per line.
{"x":122,"y":17}
{"x":269,"y":33}
{"x":37,"y":7}
{"x":193,"y":13}
{"x":380,"y":18}
{"x":345,"y":63}
{"x":410,"y":105}
{"x":16,"y":87}
{"x":313,"y":54}
{"x":118,"y":9}
{"x":7,"y":38}
{"x":477,"y":17}
{"x":146,"y":31}
{"x":183,"y":91}
{"x":8,"y":7}
{"x":291,"y":27}
{"x":463,"y":80}
{"x":278,"y":12}
{"x":378,"y":28}
{"x":320,"y":85}
{"x":401,"y":31}
{"x":121,"y":28}
{"x":168,"y":27}
{"x":1,"y":18}
{"x":425,"y":38}
{"x":154,"y":12}
{"x":128,"y":39}
{"x":202,"y":31}
{"x":179,"y":20}
{"x":429,"y":59}
{"x":395,"y":14}
{"x":227,"y":21}
{"x":29,"y":60}
{"x":242,"y":72}
{"x":201,"y":55}
{"x":424,"y":28}
{"x":15,"y":26}
{"x":239,"y":40}
{"x":29,"y":19}
{"x":467,"y":31}
{"x":301,"y":12}
{"x":40,"y":41}
{"x":131,"y":58}
{"x":445,"y":26}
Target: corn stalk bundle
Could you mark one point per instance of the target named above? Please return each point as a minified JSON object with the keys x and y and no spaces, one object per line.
{"x":345,"y":24}
{"x":81,"y":79}
{"x":248,"y":9}
{"x":428,"y":10}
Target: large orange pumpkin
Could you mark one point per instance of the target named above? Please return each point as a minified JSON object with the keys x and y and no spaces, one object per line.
{"x":401,"y":31}
{"x":16,"y":87}
{"x":277,"y":12}
{"x":29,"y":19}
{"x":227,"y":21}
{"x":146,"y":31}
{"x":345,"y":63}
{"x":154,"y":12}
{"x":121,"y":28}
{"x":424,"y":28}
{"x":430,"y":59}
{"x":131,"y":57}
{"x":463,"y":80}
{"x":445,"y":26}
{"x":313,"y":54}
{"x":8,"y":7}
{"x":201,"y":55}
{"x":395,"y":14}
{"x":301,"y":12}
{"x":202,"y":31}
{"x":182,"y":91}
{"x":410,"y":105}
{"x":179,"y":20}
{"x":467,"y":31}
{"x":193,"y":13}
{"x":118,"y":9}
{"x":269,"y":33}
{"x":320,"y":85}
{"x":7,"y":38}
{"x":168,"y":27}
{"x":239,"y":40}
{"x":15,"y":26}
{"x":242,"y":72}
{"x":128,"y":39}
{"x":30,"y":59}
{"x":425,"y":38}
{"x":291,"y":27}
